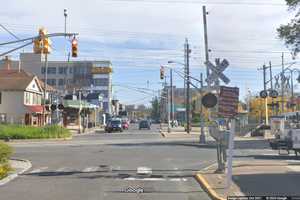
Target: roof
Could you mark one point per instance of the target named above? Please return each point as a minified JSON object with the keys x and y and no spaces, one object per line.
{"x":49,"y":87}
{"x":14,"y":79}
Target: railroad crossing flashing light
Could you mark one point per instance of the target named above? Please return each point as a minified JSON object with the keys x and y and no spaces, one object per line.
{"x":74,"y":47}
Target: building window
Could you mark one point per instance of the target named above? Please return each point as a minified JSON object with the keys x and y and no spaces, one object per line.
{"x":51,"y":82}
{"x":2,"y":118}
{"x":62,"y":70}
{"x":51,"y":70}
{"x":101,"y":81}
{"x":61,"y":82}
{"x":43,"y":70}
{"x":27,"y":98}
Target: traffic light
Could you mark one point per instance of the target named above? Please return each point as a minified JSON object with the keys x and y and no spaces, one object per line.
{"x":162,"y":73}
{"x":37,"y":46}
{"x":74,"y":47}
{"x":46,"y":45}
{"x":42,"y":44}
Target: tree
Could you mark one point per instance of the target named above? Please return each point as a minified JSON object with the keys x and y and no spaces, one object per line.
{"x":155,"y":109}
{"x":290,"y":32}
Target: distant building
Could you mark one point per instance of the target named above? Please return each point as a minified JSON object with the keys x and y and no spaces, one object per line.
{"x":179,"y":99}
{"x":67,"y":77}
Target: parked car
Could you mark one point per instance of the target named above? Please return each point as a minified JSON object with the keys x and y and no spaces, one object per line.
{"x":259,"y":130}
{"x":114,"y":125}
{"x":125,"y":125}
{"x":144,"y":124}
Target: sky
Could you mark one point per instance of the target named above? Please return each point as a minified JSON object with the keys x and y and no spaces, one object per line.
{"x":139,"y":36}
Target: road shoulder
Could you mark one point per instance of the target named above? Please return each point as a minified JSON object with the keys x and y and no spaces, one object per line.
{"x":19,"y":166}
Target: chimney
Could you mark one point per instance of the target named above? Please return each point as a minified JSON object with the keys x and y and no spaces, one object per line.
{"x":7,"y":63}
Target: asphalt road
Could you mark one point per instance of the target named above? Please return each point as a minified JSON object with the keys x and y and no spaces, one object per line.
{"x":107,"y":166}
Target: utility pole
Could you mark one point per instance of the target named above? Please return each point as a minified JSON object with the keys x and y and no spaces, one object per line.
{"x":266,"y":99}
{"x":65,"y":15}
{"x":282,"y":83}
{"x":171,"y":97}
{"x":205,"y":39}
{"x":202,"y":134}
{"x":271,"y":82}
{"x":45,"y":86}
{"x":187,"y":54}
{"x":79,"y":112}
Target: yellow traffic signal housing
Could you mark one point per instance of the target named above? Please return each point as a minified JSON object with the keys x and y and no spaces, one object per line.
{"x":43,"y":43}
{"x":37,"y":46}
{"x":46,"y":45}
{"x":74,"y":47}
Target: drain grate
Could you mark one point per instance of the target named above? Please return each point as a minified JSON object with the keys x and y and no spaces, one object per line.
{"x":133,"y":190}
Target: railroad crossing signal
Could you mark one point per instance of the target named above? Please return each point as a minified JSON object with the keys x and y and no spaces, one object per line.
{"x":217,"y":71}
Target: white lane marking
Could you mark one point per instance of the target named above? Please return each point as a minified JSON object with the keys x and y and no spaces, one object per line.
{"x":294,"y":168}
{"x":38,"y":170}
{"x":293,"y":161}
{"x":270,"y":154}
{"x":144,"y":170}
{"x":63,"y":169}
{"x":91,"y":169}
{"x":155,"y":179}
{"x":177,"y":179}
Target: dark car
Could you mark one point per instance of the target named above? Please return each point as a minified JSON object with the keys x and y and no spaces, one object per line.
{"x":114,"y":125}
{"x":144,"y":124}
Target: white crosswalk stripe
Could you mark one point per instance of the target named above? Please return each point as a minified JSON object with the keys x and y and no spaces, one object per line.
{"x":91,"y":169}
{"x":38,"y":170}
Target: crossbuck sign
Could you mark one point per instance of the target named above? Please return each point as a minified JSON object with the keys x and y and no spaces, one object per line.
{"x":217,"y":71}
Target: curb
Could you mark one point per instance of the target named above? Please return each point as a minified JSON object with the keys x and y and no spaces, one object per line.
{"x":12,"y":176}
{"x":211,"y":192}
{"x":38,"y":140}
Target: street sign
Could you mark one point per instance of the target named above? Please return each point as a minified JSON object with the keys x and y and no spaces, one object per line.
{"x":217,"y":71}
{"x":228,"y":101}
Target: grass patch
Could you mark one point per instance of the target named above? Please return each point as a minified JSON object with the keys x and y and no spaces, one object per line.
{"x":5,"y":153}
{"x":29,"y":132}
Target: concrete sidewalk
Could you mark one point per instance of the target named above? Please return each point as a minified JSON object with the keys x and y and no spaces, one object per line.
{"x":263,"y":177}
{"x":19,"y":166}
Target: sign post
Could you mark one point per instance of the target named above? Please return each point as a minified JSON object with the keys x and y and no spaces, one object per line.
{"x":228,"y":108}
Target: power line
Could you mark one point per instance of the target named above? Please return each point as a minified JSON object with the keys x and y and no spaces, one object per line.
{"x":11,"y":33}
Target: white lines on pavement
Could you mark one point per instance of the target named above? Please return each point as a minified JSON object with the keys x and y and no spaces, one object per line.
{"x":144,"y":170}
{"x":64,"y":169}
{"x":38,"y":170}
{"x":90,"y":169}
{"x":294,"y":168}
{"x":155,"y":179}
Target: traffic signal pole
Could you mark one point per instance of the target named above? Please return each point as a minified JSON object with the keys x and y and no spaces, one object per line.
{"x":187,"y":54}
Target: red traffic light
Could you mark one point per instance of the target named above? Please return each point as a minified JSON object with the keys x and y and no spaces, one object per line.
{"x":74,"y":47}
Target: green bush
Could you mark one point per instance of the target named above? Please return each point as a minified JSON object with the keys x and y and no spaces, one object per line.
{"x":29,"y":132}
{"x":5,"y":153}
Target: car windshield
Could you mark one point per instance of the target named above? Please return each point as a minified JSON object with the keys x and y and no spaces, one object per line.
{"x":115,"y":122}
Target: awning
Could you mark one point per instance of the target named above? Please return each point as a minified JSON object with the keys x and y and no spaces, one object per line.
{"x":34,"y":109}
{"x":76,"y":104}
